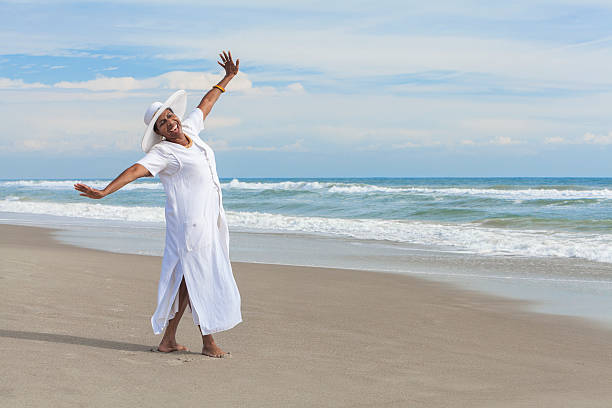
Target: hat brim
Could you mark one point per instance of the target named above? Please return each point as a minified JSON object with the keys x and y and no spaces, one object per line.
{"x":178,"y":103}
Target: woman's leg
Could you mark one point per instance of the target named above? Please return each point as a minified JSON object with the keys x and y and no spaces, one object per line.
{"x":168,"y":342}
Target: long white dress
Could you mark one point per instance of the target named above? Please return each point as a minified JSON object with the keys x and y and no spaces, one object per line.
{"x":197,"y":236}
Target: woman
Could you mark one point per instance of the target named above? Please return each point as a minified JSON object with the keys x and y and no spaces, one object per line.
{"x":196,"y":269}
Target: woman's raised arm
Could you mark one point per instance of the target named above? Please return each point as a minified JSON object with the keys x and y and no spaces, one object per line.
{"x":211,"y":96}
{"x":130,"y":174}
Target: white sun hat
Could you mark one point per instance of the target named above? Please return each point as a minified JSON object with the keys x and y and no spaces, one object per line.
{"x":177,"y":102}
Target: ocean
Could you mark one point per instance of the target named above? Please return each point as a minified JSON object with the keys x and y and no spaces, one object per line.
{"x":562,"y":217}
{"x":560,"y":226}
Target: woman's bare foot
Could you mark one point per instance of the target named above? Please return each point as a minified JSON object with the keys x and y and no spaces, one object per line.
{"x":170,"y":347}
{"x":212,"y":350}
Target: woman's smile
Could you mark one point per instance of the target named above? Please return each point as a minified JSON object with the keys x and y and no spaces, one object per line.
{"x":173,"y":128}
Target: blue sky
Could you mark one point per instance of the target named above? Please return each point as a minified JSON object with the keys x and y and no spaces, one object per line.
{"x":326,"y":88}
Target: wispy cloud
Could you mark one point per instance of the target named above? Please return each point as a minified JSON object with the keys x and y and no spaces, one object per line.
{"x":8,"y":83}
{"x":504,"y":140}
{"x":591,"y":138}
{"x":586,"y":139}
{"x":169,"y":80}
{"x":224,"y":146}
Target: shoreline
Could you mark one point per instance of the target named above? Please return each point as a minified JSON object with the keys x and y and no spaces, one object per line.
{"x":77,"y":320}
{"x":560,"y":286}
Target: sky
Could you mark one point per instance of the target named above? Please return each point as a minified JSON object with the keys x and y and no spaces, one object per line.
{"x":325,"y":89}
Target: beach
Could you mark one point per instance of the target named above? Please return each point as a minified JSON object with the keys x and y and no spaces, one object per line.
{"x":76,"y":332}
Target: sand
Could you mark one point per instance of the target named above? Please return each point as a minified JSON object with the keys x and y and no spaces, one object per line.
{"x":75,"y":332}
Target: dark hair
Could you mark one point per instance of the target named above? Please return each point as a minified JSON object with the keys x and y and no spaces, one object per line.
{"x":155,"y":124}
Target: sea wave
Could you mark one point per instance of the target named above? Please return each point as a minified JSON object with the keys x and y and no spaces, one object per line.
{"x":85,"y":210}
{"x":69,"y":184}
{"x":281,"y":185}
{"x":479,"y":240}
{"x":361,"y":188}
{"x":543,"y":193}
{"x":461,"y":236}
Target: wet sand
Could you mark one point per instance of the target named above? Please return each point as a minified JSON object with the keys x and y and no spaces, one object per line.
{"x":75,"y":331}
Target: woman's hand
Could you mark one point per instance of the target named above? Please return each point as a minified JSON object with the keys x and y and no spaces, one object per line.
{"x":87,"y":191}
{"x":231,"y":69}
{"x":211,"y":96}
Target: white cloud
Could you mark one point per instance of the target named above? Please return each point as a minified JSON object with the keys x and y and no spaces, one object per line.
{"x":224,"y":145}
{"x":72,"y":127}
{"x":72,"y":119}
{"x":35,"y":145}
{"x":555,"y":140}
{"x":351,"y":134}
{"x":216,"y":122}
{"x":405,"y":145}
{"x":296,"y":87}
{"x":292,"y":147}
{"x":8,"y":83}
{"x":168,"y":80}
{"x":529,"y":62}
{"x":506,"y":125}
{"x":592,"y":138}
{"x":587,"y":138}
{"x":504,"y":140}
{"x":219,"y":144}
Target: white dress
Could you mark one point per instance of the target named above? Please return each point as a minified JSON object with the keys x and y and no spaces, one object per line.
{"x":197,"y":236}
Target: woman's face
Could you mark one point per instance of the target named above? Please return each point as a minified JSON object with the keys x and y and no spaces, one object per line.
{"x":168,"y":125}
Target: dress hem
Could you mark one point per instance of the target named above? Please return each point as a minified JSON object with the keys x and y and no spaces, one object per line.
{"x":206,"y":332}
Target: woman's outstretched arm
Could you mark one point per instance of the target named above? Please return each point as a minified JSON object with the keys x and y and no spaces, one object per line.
{"x":130,"y":174}
{"x":211,"y":96}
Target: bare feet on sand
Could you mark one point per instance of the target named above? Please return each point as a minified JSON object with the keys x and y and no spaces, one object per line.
{"x":170,"y":347}
{"x":212,"y":350}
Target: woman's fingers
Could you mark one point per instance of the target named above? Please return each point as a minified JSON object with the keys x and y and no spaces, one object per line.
{"x":228,"y":62}
{"x":87,"y":191}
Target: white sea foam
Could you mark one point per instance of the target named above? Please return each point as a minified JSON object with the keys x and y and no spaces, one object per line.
{"x":486,"y":241}
{"x":362,"y":188}
{"x":516,"y":195}
{"x":281,"y":185}
{"x":522,"y":194}
{"x":468,"y":237}
{"x":69,"y":184}
{"x":357,"y":188}
{"x":85,"y":210}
